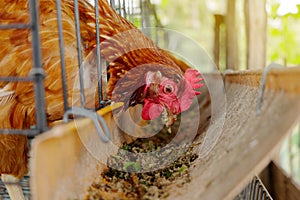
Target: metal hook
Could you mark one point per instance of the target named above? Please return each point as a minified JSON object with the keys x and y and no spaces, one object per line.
{"x":224,"y":77}
{"x":98,"y":120}
{"x":263,"y":85}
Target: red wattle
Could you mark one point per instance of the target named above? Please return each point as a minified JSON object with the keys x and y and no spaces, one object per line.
{"x":151,"y":110}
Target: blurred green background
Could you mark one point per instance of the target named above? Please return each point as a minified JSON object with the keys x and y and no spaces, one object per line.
{"x":195,"y":19}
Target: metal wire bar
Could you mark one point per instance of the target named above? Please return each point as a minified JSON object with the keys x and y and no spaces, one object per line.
{"x":14,"y":26}
{"x":252,"y":188}
{"x":146,"y":19}
{"x":112,"y":3}
{"x":16,"y":79}
{"x":98,"y":121}
{"x":263,"y":85}
{"x":28,"y":132}
{"x":62,"y":54}
{"x":24,"y":182}
{"x":37,"y":72}
{"x":124,"y":9}
{"x":99,"y":66}
{"x":129,"y":17}
{"x":142,"y":13}
{"x":254,"y":191}
{"x":119,"y":8}
{"x":78,"y":37}
{"x":227,"y":71}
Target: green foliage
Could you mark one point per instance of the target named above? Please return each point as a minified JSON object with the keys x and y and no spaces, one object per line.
{"x":273,"y":12}
{"x":283,"y":37}
{"x":182,"y":169}
{"x":164,"y":3}
{"x":191,"y":18}
{"x":290,"y":154}
{"x":137,"y":21}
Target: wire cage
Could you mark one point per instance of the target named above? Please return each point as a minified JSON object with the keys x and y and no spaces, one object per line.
{"x":133,"y":10}
{"x":254,"y":190}
{"x":140,"y":12}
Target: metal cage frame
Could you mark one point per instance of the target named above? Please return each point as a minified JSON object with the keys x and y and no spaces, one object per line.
{"x":254,"y":190}
{"x":36,"y":75}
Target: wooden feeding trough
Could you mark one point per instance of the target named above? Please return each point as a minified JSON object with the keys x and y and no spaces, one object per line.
{"x":65,"y":160}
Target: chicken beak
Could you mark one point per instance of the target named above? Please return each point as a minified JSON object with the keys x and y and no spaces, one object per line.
{"x":168,"y":119}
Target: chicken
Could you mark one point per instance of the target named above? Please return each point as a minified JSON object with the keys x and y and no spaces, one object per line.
{"x":139,"y":72}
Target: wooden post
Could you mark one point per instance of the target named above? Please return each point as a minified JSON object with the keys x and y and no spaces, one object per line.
{"x":232,"y":52}
{"x":256,"y":30}
{"x":219,"y":20}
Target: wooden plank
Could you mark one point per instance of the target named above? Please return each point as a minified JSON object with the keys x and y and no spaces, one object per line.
{"x":248,"y":141}
{"x":285,"y":79}
{"x":283,"y":186}
{"x":279,"y":184}
{"x":66,"y":159}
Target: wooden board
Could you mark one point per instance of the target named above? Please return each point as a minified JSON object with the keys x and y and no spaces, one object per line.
{"x":279,"y":184}
{"x":62,"y":167}
{"x":65,"y":160}
{"x":248,"y":140}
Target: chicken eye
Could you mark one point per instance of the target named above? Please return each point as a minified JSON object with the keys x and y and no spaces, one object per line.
{"x":168,"y":89}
